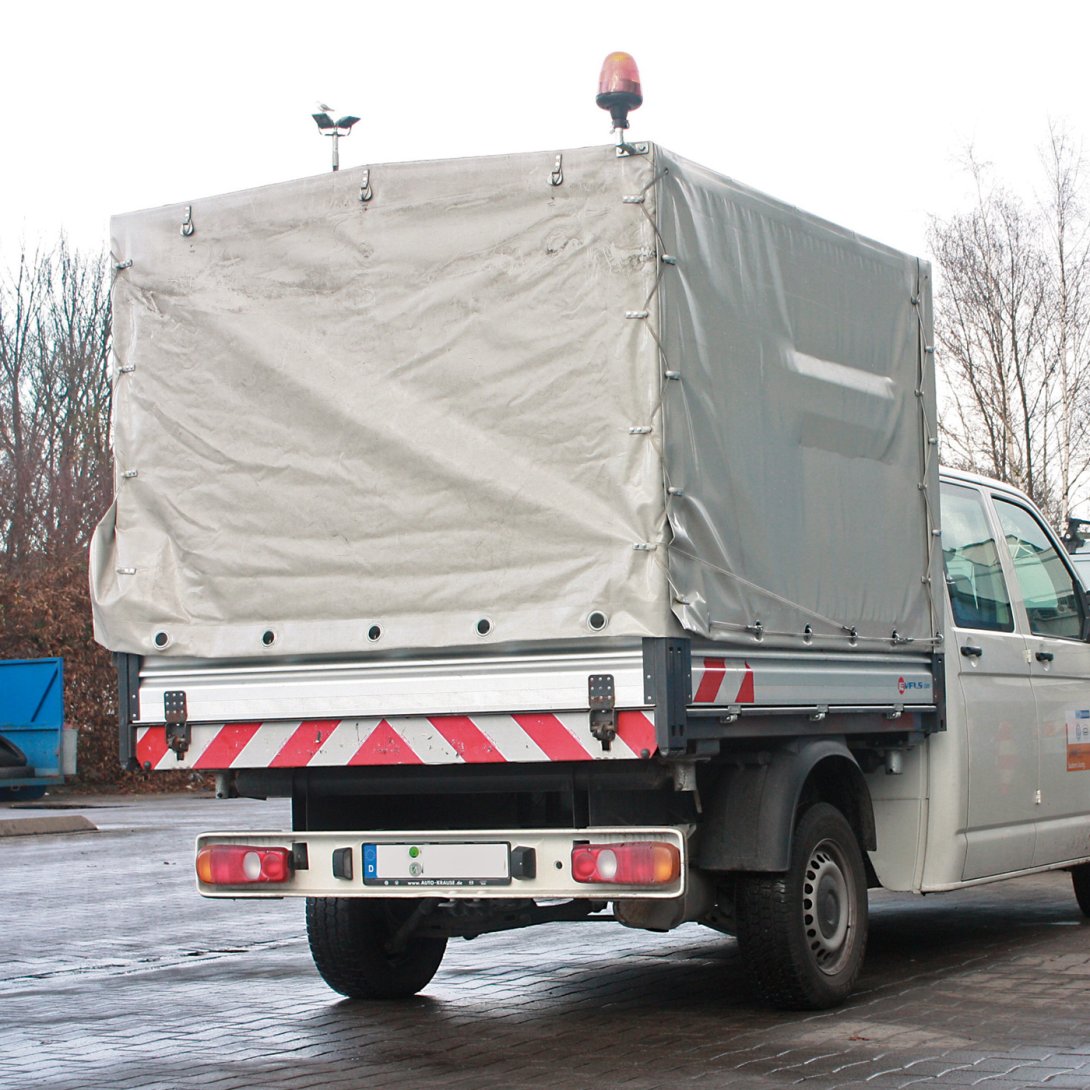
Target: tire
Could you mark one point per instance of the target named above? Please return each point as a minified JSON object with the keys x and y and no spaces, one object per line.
{"x":803,"y":934}
{"x":13,"y":759}
{"x":21,"y":794}
{"x":348,"y":940}
{"x":1080,"y":880}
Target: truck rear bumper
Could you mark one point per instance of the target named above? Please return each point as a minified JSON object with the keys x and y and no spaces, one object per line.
{"x":481,"y":864}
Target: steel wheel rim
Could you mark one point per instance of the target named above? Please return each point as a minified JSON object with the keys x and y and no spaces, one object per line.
{"x":828,"y":911}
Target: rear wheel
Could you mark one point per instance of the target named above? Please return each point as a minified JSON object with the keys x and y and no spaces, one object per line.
{"x":352,"y":941}
{"x":1080,"y":879}
{"x":803,"y":933}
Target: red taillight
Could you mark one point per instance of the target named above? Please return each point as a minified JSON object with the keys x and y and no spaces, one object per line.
{"x":242,"y":865}
{"x":642,"y":863}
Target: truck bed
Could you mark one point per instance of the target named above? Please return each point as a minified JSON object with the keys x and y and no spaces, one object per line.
{"x":508,"y":708}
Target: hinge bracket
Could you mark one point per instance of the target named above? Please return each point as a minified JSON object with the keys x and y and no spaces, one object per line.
{"x":176,"y":714}
{"x":603,"y":715}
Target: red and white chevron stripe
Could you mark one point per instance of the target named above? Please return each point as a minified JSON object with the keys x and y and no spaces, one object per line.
{"x":432,"y":740}
{"x":718,"y":681}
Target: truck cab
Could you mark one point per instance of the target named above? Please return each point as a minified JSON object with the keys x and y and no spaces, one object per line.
{"x":1003,"y":790}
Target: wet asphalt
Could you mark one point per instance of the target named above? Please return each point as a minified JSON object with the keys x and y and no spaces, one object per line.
{"x":117,"y":975}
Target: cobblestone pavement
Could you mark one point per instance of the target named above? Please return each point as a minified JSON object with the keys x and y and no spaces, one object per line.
{"x":119,"y":976}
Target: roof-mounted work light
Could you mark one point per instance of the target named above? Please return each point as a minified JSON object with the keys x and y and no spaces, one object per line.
{"x":335,"y":129}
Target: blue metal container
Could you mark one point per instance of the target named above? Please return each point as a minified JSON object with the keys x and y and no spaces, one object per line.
{"x":32,"y":735}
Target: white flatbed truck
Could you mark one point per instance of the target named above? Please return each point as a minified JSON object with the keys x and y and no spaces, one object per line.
{"x":562,"y":533}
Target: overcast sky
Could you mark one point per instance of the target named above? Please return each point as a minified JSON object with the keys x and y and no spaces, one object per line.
{"x":858,"y":112}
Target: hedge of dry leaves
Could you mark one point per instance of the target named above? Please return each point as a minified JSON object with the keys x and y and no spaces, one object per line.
{"x":45,"y":612}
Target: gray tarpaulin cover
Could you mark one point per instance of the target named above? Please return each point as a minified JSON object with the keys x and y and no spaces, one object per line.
{"x":479,"y":408}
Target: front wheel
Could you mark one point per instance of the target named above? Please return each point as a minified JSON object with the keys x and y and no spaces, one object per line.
{"x":803,"y":934}
{"x":352,"y":941}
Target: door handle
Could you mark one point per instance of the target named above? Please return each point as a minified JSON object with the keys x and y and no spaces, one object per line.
{"x":969,"y":651}
{"x":1045,"y":656}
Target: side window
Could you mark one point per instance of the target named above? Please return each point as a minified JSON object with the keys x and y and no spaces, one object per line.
{"x":974,"y":575}
{"x":1052,"y":601}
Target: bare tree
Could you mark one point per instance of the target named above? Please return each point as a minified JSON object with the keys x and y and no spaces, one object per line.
{"x":1011,"y":328}
{"x":1068,"y":345}
{"x":55,"y":476}
{"x":990,"y":329}
{"x":20,"y":441}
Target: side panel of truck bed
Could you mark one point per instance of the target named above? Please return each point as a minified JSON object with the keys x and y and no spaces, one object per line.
{"x":798,"y":428}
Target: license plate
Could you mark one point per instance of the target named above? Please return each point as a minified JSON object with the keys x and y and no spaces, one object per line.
{"x":432,"y":864}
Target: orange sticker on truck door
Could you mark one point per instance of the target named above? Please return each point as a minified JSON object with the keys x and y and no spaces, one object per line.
{"x":1078,"y":740}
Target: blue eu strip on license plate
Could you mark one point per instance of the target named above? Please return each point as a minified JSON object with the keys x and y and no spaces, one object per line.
{"x":424,"y":863}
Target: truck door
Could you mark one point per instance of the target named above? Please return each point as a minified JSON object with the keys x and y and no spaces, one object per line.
{"x":1060,"y":671}
{"x":994,"y":678}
